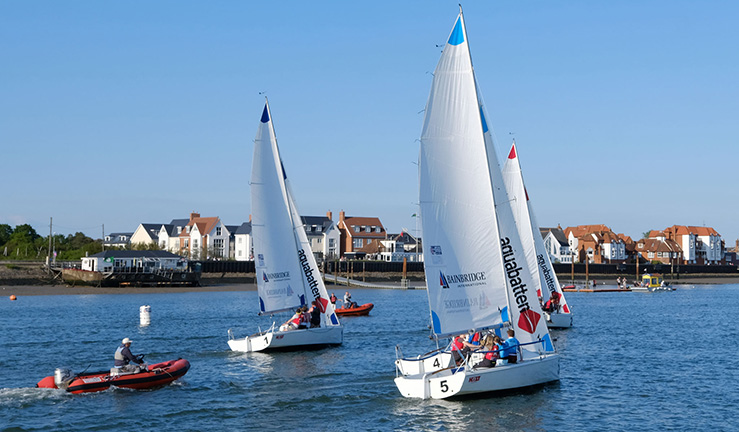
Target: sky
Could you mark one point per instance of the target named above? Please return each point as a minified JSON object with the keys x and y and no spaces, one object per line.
{"x":114,"y":114}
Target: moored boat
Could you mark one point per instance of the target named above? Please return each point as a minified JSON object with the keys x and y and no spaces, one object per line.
{"x":355,"y":311}
{"x":155,"y":375}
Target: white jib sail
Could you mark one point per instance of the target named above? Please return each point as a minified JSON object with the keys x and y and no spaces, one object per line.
{"x":540,"y":264}
{"x":312,"y":280}
{"x":278,"y":271}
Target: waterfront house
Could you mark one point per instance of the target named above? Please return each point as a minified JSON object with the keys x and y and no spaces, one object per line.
{"x":169,"y":235}
{"x":357,"y":233}
{"x":662,"y":249}
{"x":117,"y":240}
{"x":556,"y":244}
{"x":596,"y":243}
{"x":700,"y":245}
{"x":146,"y":233}
{"x":398,"y":247}
{"x":205,"y":238}
{"x":133,"y":260}
{"x":323,"y":236}
{"x":243,"y":244}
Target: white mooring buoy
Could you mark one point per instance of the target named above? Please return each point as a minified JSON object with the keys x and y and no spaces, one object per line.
{"x":145,"y":315}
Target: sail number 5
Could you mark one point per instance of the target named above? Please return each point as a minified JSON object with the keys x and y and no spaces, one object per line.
{"x":444,"y":387}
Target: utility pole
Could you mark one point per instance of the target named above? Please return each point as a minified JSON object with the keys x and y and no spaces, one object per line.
{"x":102,"y":240}
{"x":48,"y":256}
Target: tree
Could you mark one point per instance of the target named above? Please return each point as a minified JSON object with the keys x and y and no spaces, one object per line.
{"x":5,"y":232}
{"x":645,"y":235}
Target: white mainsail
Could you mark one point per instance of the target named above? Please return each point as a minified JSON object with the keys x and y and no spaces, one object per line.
{"x":476,"y":272}
{"x":287,"y":273}
{"x":540,"y":265}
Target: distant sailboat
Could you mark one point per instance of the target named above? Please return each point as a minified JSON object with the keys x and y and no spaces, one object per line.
{"x":287,"y":274}
{"x":558,"y":314}
{"x":476,"y":271}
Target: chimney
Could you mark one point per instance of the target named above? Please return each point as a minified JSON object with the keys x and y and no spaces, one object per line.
{"x":250,"y":218}
{"x":330,"y":215}
{"x":342,"y":216}
{"x":194,"y":215}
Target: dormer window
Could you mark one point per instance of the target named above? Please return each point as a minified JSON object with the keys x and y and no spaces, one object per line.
{"x":319,"y":228}
{"x":356,"y":228}
{"x":179,"y":230}
{"x":378,"y":229}
{"x":367,"y":229}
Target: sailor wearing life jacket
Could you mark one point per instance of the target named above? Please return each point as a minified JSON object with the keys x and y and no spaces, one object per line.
{"x":123,"y":357}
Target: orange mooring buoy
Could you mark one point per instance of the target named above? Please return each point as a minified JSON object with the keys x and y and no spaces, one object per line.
{"x":13,"y":297}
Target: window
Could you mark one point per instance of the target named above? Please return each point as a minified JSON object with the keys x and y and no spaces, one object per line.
{"x":239,"y":239}
{"x":378,"y":229}
{"x":358,"y":243}
{"x":218,"y":231}
{"x":356,"y":228}
{"x":318,"y":240}
{"x":650,"y":254}
{"x":194,"y":243}
{"x":187,"y":242}
{"x":367,"y":229}
{"x":331,"y":242}
{"x":319,"y":228}
{"x":218,"y":246}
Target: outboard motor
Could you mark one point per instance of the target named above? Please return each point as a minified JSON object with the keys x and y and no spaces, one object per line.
{"x":62,"y":376}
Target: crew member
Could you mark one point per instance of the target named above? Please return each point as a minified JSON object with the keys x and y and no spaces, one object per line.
{"x":510,"y":348}
{"x":123,"y":357}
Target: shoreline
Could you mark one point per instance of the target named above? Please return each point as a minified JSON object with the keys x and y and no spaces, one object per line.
{"x":249,"y":285}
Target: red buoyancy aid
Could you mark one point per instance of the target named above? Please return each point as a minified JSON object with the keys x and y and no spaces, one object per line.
{"x":457,"y":344}
{"x":492,"y":355}
{"x":296,"y":319}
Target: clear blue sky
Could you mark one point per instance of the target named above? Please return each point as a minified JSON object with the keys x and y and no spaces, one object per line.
{"x":625,"y":113}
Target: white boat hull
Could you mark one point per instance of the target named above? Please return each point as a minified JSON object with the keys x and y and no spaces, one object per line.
{"x":453,"y":382}
{"x":424,"y":364}
{"x":558,"y":320}
{"x":642,"y":289}
{"x":287,"y":340}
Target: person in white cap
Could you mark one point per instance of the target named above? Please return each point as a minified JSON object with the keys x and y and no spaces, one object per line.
{"x":123,"y":357}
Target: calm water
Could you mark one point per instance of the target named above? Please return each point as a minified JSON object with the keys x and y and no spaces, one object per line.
{"x":638,"y":361}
